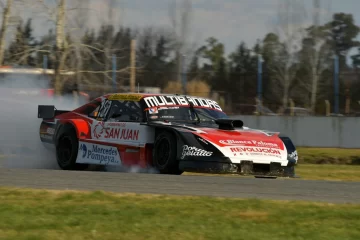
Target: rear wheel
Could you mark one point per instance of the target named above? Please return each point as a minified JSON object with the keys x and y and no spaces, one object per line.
{"x":164,"y":154}
{"x":67,"y":150}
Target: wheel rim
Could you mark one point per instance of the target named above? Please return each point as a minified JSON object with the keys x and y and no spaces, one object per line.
{"x":64,"y":150}
{"x":163,"y":152}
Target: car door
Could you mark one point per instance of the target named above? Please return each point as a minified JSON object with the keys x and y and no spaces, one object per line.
{"x":91,"y":150}
{"x":119,"y":124}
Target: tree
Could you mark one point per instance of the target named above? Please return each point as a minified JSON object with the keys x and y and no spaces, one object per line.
{"x":291,"y":33}
{"x":21,"y":50}
{"x":213,"y":52}
{"x":343,"y":32}
{"x":181,"y":32}
{"x":270,"y":46}
{"x":4,"y":26}
{"x":316,"y":53}
{"x":60,"y":54}
{"x":242,"y":75}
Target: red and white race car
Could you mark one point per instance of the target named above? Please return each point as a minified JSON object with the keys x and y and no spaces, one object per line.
{"x":172,"y":133}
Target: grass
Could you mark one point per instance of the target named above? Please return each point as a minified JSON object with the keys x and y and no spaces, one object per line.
{"x":329,"y":156}
{"x":56,"y":215}
{"x":315,"y":172}
{"x":328,"y":172}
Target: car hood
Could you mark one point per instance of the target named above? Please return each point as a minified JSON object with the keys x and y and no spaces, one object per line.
{"x":245,"y":143}
{"x":243,"y":137}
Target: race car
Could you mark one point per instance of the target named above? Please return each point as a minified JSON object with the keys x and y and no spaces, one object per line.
{"x":169,"y":132}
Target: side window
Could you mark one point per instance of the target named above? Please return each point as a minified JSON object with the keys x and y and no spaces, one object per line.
{"x":102,"y":110}
{"x":95,"y":112}
{"x":125,"y":111}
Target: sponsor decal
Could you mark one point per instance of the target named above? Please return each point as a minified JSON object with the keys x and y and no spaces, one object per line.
{"x":116,"y":124}
{"x":195,"y":152}
{"x":50,"y":131}
{"x":117,"y":131}
{"x":235,"y":142}
{"x":203,"y":140}
{"x":255,"y":151}
{"x":45,"y":136}
{"x":125,"y":97}
{"x":104,"y":109}
{"x":153,"y":110}
{"x":156,"y":101}
{"x":98,"y":154}
{"x":250,"y":143}
{"x":98,"y":130}
{"x":294,"y":155}
{"x":165,"y":108}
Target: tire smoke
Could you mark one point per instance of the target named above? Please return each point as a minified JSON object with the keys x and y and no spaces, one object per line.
{"x":20,"y":145}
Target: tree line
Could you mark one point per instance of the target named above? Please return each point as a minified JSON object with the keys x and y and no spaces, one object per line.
{"x":298,"y":67}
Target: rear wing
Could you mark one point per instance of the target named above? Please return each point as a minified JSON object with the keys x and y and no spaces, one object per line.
{"x":49,"y":111}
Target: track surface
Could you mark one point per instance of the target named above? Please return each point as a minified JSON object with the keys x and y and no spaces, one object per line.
{"x":277,"y":189}
{"x":25,"y":168}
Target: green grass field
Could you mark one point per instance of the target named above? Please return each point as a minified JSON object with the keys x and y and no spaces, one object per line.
{"x":324,"y":164}
{"x":329,"y":156}
{"x":315,"y":172}
{"x":329,"y":172}
{"x":56,"y":215}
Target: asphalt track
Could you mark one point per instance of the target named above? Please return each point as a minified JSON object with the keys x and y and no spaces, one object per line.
{"x":37,"y":170}
{"x":219,"y":186}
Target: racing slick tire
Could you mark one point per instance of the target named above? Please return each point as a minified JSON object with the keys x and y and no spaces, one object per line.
{"x":164,"y":154}
{"x":67,"y":150}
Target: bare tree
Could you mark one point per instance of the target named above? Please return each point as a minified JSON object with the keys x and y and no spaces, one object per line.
{"x":108,"y":22}
{"x":181,"y":31}
{"x":318,"y":58}
{"x":70,"y":19}
{"x":60,"y":54}
{"x":79,"y":25}
{"x":4,"y":27}
{"x":291,"y":32}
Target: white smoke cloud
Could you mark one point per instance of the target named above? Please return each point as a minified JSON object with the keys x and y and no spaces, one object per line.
{"x":20,"y":145}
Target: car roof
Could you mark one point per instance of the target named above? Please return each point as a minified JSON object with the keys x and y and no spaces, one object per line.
{"x":143,"y":95}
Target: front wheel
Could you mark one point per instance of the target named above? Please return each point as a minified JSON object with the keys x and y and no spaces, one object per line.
{"x":67,"y":150}
{"x":164,"y":154}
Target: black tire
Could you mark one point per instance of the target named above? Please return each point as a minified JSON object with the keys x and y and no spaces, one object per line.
{"x":67,"y":150}
{"x":164,"y":154}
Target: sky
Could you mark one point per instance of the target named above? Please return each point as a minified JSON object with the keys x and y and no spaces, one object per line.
{"x":230,"y":21}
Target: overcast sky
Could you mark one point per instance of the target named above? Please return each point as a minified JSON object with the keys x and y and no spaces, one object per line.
{"x":230,"y":21}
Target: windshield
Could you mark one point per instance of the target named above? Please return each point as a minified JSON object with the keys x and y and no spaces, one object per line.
{"x":184,"y":114}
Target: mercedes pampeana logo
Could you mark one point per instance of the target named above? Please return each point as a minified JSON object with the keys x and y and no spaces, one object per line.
{"x":83,"y":148}
{"x":98,"y":130}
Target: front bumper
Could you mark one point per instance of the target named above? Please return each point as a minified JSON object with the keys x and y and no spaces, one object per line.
{"x":225,"y":165}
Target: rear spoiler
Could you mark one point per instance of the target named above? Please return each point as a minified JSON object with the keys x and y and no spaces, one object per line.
{"x":49,"y":111}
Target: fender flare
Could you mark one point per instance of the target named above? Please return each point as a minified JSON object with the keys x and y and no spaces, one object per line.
{"x":81,"y":128}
